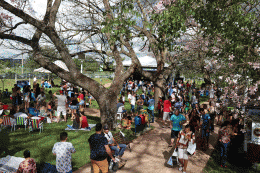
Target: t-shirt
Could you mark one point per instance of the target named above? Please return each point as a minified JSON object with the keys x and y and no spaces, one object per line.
{"x":151,"y":104}
{"x":178,"y":105}
{"x":63,"y":152}
{"x":41,"y":98}
{"x":205,"y":119}
{"x":167,"y":105}
{"x":62,"y":100}
{"x":133,"y":99}
{"x":109,"y":137}
{"x":98,"y":150}
{"x":176,"y":122}
{"x":81,"y":97}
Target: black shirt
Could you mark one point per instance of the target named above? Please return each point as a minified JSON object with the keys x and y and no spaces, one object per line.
{"x":97,"y":144}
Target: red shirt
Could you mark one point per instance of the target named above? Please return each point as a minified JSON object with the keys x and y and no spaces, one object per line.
{"x":167,"y":105}
{"x":81,"y":97}
{"x":84,"y":122}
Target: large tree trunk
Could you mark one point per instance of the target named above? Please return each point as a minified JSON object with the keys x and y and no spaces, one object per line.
{"x":107,"y":104}
{"x":158,"y":91}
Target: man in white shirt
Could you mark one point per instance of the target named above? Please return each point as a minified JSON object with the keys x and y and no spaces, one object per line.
{"x":133,"y":100}
{"x":118,"y":148}
{"x":61,"y":108}
{"x":129,"y":96}
{"x":63,"y":151}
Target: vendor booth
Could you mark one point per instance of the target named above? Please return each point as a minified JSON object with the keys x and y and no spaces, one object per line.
{"x":252,"y":138}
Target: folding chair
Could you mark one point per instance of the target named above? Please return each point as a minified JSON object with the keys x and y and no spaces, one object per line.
{"x":120,"y":113}
{"x":21,"y":121}
{"x":36,"y":124}
{"x":7,"y":122}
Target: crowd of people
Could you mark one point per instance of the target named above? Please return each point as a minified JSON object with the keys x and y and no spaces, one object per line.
{"x":180,"y":110}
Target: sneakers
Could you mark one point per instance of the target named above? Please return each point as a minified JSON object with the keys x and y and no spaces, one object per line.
{"x":180,"y":168}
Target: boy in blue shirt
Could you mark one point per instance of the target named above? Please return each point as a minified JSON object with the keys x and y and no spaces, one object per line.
{"x":177,"y":121}
{"x":205,"y":125}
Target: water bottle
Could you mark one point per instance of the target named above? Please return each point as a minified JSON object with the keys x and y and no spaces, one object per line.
{"x":111,"y":165}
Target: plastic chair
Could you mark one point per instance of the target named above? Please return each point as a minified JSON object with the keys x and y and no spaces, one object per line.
{"x":120,"y":112}
{"x":8,"y":122}
{"x":21,"y":121}
{"x":36,"y":124}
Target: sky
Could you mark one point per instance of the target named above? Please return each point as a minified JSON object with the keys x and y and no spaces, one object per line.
{"x":37,"y":9}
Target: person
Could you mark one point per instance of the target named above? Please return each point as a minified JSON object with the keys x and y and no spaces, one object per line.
{"x":76,"y":121}
{"x":140,"y":103}
{"x":63,"y":151}
{"x":119,"y":104}
{"x":177,"y":121}
{"x":151,"y":107}
{"x":118,"y":148}
{"x":61,"y":108}
{"x":28,"y":165}
{"x":40,"y":99}
{"x":81,"y":100}
{"x":205,"y":127}
{"x":26,"y":95}
{"x":166,"y":110}
{"x":212,"y":113}
{"x":160,"y":106}
{"x":18,"y":98}
{"x":178,"y":105}
{"x":184,"y":137}
{"x":99,"y":151}
{"x":83,"y":120}
{"x":132,"y":102}
{"x":225,"y":133}
{"x":6,"y":94}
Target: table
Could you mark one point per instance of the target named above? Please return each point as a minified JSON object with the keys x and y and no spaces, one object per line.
{"x":10,"y":163}
{"x":20,"y":114}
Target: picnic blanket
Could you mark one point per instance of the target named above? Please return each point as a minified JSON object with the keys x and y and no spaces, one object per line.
{"x":10,"y":163}
{"x":90,"y":126}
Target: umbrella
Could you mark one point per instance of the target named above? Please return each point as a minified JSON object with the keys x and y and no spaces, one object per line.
{"x":20,"y":114}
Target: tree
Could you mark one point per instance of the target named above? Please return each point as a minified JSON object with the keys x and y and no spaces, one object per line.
{"x":46,"y":29}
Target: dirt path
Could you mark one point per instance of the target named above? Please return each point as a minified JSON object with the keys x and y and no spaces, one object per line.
{"x":150,"y":153}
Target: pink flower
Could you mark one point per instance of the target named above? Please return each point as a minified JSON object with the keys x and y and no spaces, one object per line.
{"x":231,"y":57}
{"x":230,"y":65}
{"x":250,"y":63}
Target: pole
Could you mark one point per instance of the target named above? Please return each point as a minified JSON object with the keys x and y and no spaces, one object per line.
{"x":22,"y":64}
{"x":81,"y":69}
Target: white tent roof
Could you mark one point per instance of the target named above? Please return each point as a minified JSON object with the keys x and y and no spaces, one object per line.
{"x":57,"y":62}
{"x":146,"y":61}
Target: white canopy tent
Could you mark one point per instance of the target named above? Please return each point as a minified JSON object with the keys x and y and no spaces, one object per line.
{"x":146,"y":61}
{"x":57,"y":62}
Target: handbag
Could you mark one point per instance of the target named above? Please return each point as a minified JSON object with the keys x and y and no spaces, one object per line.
{"x":191,"y":148}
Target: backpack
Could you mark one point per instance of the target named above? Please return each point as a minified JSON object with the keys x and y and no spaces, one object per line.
{"x":146,"y":118}
{"x":137,"y":121}
{"x":142,"y":119}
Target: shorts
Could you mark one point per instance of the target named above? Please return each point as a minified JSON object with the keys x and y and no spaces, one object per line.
{"x":204,"y":133}
{"x":166,"y":115}
{"x":183,"y":154}
{"x":74,"y":107}
{"x":174,"y":134}
{"x":61,"y":109}
{"x":81,"y":102}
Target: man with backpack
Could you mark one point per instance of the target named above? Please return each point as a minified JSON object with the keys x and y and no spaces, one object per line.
{"x":99,"y":151}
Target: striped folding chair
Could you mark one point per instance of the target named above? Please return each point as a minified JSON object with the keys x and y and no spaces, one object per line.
{"x":37,"y":124}
{"x":21,"y":121}
{"x":8,"y":122}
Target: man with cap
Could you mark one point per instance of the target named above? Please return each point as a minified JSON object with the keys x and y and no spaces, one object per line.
{"x":99,"y":151}
{"x":118,"y":148}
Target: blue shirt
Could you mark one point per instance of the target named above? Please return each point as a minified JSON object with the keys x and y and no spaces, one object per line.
{"x":176,"y":122}
{"x":205,"y":119}
{"x":97,"y":143}
{"x":178,"y":105}
{"x":151,"y":104}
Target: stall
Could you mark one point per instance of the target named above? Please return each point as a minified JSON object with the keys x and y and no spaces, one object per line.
{"x":252,"y":137}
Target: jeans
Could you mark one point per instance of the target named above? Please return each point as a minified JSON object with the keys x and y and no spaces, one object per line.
{"x":151,"y":112}
{"x":223,"y":152}
{"x":133,"y":108}
{"x":119,"y":152}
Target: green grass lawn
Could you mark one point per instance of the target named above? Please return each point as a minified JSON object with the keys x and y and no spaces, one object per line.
{"x":41,"y":144}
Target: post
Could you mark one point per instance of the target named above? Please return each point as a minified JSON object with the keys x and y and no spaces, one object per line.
{"x":81,"y":67}
{"x":29,"y":80}
{"x":15,"y":77}
{"x":22,"y":64}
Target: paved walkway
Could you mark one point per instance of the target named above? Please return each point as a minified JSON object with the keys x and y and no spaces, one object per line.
{"x":150,"y":153}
